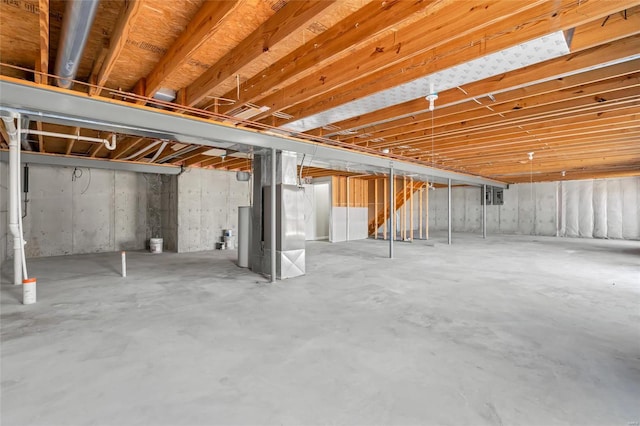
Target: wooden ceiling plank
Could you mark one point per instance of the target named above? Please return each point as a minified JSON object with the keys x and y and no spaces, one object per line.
{"x":366,"y":22}
{"x":303,"y":100}
{"x":42,"y":65}
{"x":126,"y":22}
{"x":289,"y":18}
{"x":204,"y":25}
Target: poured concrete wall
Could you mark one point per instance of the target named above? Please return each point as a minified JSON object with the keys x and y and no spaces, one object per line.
{"x":90,"y":211}
{"x":604,"y":208}
{"x":207,"y":203}
{"x":4,"y":214}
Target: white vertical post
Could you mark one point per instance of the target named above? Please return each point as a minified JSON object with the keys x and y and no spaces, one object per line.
{"x":449,"y":210}
{"x":348,"y":208}
{"x":274,"y":163}
{"x":392,"y":211}
{"x":124,"y":264}
{"x":484,"y":211}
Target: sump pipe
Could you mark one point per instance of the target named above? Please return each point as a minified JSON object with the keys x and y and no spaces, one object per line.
{"x":14,"y":179}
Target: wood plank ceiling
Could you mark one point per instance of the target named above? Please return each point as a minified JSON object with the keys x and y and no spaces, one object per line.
{"x":289,"y":60}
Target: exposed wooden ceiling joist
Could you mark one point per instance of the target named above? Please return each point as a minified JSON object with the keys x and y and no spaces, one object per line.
{"x":291,"y":16}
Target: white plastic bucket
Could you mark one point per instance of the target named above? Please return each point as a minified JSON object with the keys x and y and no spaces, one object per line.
{"x":29,"y":291}
{"x":155,"y":245}
{"x":230,"y":242}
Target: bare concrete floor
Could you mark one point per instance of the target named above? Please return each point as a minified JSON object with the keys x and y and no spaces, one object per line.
{"x":509,"y":330}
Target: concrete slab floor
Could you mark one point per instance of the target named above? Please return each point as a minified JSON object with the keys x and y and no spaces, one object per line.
{"x":508,"y":330}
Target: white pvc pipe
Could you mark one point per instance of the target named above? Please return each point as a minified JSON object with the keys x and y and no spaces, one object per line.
{"x":124,"y":264}
{"x":14,"y":176}
{"x":143,"y":150}
{"x":110,"y":145}
{"x":23,"y":259}
{"x":162,"y":147}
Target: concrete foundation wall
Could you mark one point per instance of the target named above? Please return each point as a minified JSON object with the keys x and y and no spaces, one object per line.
{"x":91,"y":210}
{"x":207,"y":203}
{"x":4,"y":214}
{"x":605,"y":208}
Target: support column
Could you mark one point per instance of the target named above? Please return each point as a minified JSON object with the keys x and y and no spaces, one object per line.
{"x":449,"y":211}
{"x":277,"y":228}
{"x":484,"y":211}
{"x":392,"y":215}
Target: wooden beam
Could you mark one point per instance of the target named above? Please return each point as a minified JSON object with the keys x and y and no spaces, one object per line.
{"x":125,"y":146}
{"x":71,"y":141}
{"x":618,"y":25}
{"x":288,"y":19}
{"x":204,"y":25}
{"x":126,"y":22}
{"x":512,"y":85}
{"x":468,"y":41}
{"x":42,"y":65}
{"x":40,"y":137}
{"x":366,"y":22}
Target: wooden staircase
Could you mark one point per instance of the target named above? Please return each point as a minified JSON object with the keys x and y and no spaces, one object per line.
{"x":402,"y":195}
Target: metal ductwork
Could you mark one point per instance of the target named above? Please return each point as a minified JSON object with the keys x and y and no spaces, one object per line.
{"x":78,"y":18}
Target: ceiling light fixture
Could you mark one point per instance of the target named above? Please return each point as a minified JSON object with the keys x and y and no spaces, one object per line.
{"x":431,"y":97}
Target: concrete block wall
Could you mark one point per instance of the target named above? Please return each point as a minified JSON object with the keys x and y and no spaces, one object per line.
{"x":207,"y":203}
{"x":604,"y":208}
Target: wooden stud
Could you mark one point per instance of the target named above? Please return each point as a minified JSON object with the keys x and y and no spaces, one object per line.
{"x":411,"y":210}
{"x":420,"y":213}
{"x":375,"y":207}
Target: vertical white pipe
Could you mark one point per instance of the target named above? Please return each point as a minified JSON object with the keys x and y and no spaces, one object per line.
{"x":124,"y":264}
{"x":23,"y":260}
{"x":484,"y":211}
{"x":14,"y":170}
{"x":392,"y":211}
{"x":449,"y":210}
{"x":273,"y":214}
